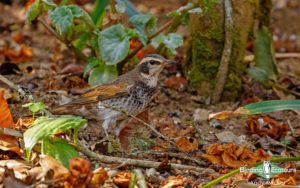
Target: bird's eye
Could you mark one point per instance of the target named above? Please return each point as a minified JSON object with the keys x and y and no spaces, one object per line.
{"x":153,"y":62}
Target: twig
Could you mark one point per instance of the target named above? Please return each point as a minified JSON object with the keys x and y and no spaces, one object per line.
{"x":21,"y":91}
{"x":219,"y":179}
{"x":11,"y":132}
{"x":18,"y":88}
{"x":291,"y":127}
{"x":223,"y":68}
{"x":77,"y":52}
{"x":250,"y":58}
{"x":137,"y":162}
{"x":176,"y":155}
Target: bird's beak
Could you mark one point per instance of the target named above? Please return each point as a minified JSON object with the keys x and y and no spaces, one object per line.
{"x":168,"y":61}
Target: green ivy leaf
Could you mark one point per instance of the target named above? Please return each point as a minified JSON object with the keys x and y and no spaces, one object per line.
{"x":62,"y":19}
{"x":45,"y":126}
{"x":35,"y":107}
{"x":102,"y":74}
{"x":178,"y":12}
{"x":140,"y":21}
{"x":120,"y":7}
{"x":92,"y":62}
{"x":59,"y":149}
{"x":113,"y":44}
{"x":78,"y":13}
{"x":173,"y":41}
{"x":34,"y":11}
{"x":155,"y":42}
{"x":196,"y":10}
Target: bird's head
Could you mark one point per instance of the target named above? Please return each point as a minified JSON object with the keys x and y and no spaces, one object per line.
{"x":152,"y":65}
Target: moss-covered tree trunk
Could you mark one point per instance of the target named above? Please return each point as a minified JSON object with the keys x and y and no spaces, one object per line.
{"x":207,"y":41}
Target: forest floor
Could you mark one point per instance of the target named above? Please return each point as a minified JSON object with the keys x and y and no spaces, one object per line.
{"x":36,"y":60}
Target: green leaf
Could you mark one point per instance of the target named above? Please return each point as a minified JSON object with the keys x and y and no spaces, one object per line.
{"x":120,"y":7}
{"x":98,"y":12}
{"x":35,"y":107}
{"x":102,"y":74}
{"x":45,"y":126}
{"x":140,"y":21}
{"x":264,"y":53}
{"x":196,"y":10}
{"x":173,"y":41}
{"x":258,"y":74}
{"x":155,"y":42}
{"x":270,"y":106}
{"x":59,"y":149}
{"x":34,"y":11}
{"x":92,"y":62}
{"x":178,"y":12}
{"x":78,"y":13}
{"x":130,"y":8}
{"x":48,"y":5}
{"x":113,"y":44}
{"x":62,"y":19}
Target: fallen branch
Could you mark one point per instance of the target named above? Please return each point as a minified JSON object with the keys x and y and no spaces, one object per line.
{"x":176,"y":155}
{"x":223,"y":68}
{"x":138,"y":162}
{"x":18,"y":88}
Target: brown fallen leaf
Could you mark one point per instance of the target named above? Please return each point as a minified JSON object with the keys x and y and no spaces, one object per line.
{"x":7,"y":142}
{"x":122,"y":179}
{"x":175,"y":82}
{"x":187,"y":144}
{"x":80,"y":173}
{"x":232,"y":155}
{"x":174,"y":182}
{"x":267,"y":126}
{"x":100,"y":175}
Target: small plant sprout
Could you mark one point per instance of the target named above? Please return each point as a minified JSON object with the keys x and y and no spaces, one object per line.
{"x":35,"y":107}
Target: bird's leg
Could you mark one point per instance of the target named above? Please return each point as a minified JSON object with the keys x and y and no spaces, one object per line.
{"x":105,"y":126}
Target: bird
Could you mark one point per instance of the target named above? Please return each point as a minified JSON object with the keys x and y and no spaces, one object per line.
{"x":130,"y":93}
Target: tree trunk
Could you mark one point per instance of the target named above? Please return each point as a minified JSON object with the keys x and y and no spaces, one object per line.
{"x":207,"y":41}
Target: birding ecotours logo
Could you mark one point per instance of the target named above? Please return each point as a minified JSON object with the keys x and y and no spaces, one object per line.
{"x":266,"y":170}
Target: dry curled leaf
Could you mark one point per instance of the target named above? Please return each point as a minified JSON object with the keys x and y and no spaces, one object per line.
{"x":80,"y":173}
{"x":232,"y":155}
{"x":174,"y":182}
{"x":7,"y":142}
{"x":99,"y":176}
{"x":175,"y":82}
{"x":122,"y":179}
{"x":267,"y":126}
{"x":187,"y":144}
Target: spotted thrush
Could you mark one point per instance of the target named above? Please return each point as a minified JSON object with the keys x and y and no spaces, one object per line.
{"x":130,"y":93}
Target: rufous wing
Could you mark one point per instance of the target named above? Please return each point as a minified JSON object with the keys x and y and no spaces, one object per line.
{"x":98,"y":93}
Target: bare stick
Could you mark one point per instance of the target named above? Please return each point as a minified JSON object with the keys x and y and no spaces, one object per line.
{"x":176,"y":155}
{"x":223,"y":68}
{"x":18,"y":88}
{"x":137,"y":162}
